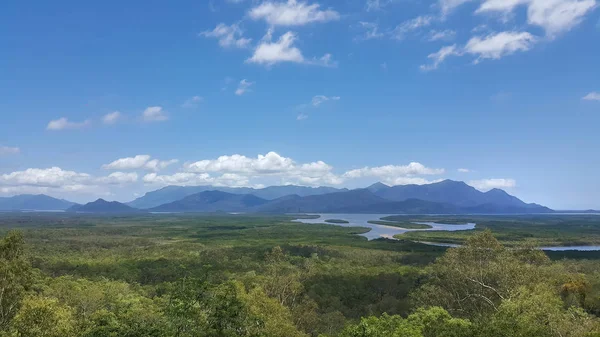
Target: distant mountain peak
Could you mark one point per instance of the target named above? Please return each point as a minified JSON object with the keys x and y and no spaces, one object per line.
{"x":103,"y":206}
{"x":377,"y":186}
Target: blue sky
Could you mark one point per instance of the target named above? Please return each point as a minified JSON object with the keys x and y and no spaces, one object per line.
{"x":112,"y":99}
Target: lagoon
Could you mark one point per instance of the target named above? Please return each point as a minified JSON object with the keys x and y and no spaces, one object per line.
{"x":381,"y":231}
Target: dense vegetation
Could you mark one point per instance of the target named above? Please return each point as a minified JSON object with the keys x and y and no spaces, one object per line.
{"x":221,"y":275}
{"x":405,"y":225}
{"x":337,"y":221}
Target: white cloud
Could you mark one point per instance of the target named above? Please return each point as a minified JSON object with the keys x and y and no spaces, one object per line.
{"x":154,"y":114}
{"x":440,"y":56}
{"x":111,"y":118}
{"x":292,"y":13}
{"x":463,"y":170}
{"x":192,"y":102}
{"x":488,"y":184}
{"x":229,"y":36}
{"x":51,"y":177}
{"x":447,"y":6}
{"x":269,"y":166}
{"x":395,"y":181}
{"x":141,"y":161}
{"x":129,"y":163}
{"x":375,"y":5}
{"x":444,"y":35}
{"x":243,"y":87}
{"x":56,"y":181}
{"x":262,"y":164}
{"x":302,"y":116}
{"x":592,"y":96}
{"x":319,"y":99}
{"x":283,"y":50}
{"x":63,"y":124}
{"x":393,"y":171}
{"x":5,"y":150}
{"x":371,"y":31}
{"x":406,"y":27}
{"x":495,"y":46}
{"x":181,"y":178}
{"x":119,"y":178}
{"x":555,"y":16}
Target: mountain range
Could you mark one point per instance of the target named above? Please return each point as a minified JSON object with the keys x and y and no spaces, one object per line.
{"x":173,"y":193}
{"x":445,"y":197}
{"x":30,"y":202}
{"x":103,"y":206}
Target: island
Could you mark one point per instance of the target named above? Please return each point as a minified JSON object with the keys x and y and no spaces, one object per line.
{"x":404,"y":225}
{"x":337,"y":221}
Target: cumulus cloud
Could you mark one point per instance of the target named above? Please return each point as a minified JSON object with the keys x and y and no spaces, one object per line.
{"x":396,"y":174}
{"x":269,"y":163}
{"x":283,"y":50}
{"x":56,"y":181}
{"x":154,"y":114}
{"x":141,"y":161}
{"x":292,"y":13}
{"x":268,"y":166}
{"x":6,"y":150}
{"x":496,"y":46}
{"x":463,"y":170}
{"x":192,"y":102}
{"x":592,"y":96}
{"x":243,"y":87}
{"x":554,"y":16}
{"x":196,"y":179}
{"x":111,"y":118}
{"x":228,"y":36}
{"x":64,"y":124}
{"x":411,"y":169}
{"x":493,"y":46}
{"x":119,"y":178}
{"x":51,"y":177}
{"x":488,"y":184}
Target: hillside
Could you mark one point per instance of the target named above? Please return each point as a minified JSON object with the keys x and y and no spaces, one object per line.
{"x":103,"y":206}
{"x":173,"y":193}
{"x":40,"y":202}
{"x":212,"y":201}
{"x":325,"y":203}
{"x":452,"y":192}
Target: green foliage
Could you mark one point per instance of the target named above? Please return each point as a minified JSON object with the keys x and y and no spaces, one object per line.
{"x":224,"y":275}
{"x":432,"y":322}
{"x":15,"y":277}
{"x":473,"y":280}
{"x":43,"y":317}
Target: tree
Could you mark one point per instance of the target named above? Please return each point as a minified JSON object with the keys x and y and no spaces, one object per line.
{"x":431,"y":322}
{"x":473,"y":280}
{"x":15,"y":276}
{"x":539,"y":312}
{"x":43,"y":317}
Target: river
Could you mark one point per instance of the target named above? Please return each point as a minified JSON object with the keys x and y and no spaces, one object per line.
{"x":388,"y":232}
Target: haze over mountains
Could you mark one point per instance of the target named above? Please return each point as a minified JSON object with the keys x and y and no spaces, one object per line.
{"x":446,"y":197}
{"x":33,"y":202}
